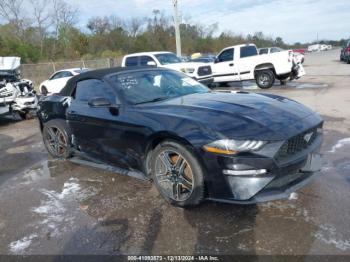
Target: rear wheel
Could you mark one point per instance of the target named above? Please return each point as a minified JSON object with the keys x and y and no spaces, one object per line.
{"x":56,"y":137}
{"x":264,"y":78}
{"x":177,"y":174}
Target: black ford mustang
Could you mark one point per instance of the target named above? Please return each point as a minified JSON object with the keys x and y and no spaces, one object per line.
{"x":193,"y":143}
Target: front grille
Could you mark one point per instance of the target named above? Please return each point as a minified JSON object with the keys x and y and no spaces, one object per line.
{"x":297,"y":143}
{"x":204,"y":70}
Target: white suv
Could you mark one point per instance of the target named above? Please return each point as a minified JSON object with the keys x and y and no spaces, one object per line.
{"x":198,"y":71}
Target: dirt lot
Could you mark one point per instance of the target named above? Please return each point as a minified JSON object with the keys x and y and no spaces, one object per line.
{"x":57,"y":207}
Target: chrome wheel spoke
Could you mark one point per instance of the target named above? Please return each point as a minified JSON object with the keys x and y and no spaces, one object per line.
{"x":180,"y":164}
{"x":164,"y":157}
{"x":186,"y":182}
{"x":176,"y":191}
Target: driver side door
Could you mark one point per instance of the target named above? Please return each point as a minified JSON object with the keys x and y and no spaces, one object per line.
{"x":224,"y":68}
{"x":97,"y":129}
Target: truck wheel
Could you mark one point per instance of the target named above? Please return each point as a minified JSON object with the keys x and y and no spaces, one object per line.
{"x":177,"y":174}
{"x":56,"y":135}
{"x":264,"y":78}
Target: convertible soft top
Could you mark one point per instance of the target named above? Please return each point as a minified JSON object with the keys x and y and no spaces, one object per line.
{"x":98,"y":74}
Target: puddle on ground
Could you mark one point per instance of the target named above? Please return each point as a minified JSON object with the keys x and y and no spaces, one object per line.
{"x":306,"y":85}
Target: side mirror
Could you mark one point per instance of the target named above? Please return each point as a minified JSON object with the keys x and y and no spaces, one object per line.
{"x":151,"y":63}
{"x":99,"y":102}
{"x":216,"y":60}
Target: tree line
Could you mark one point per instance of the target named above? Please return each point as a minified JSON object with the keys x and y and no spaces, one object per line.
{"x":48,"y":30}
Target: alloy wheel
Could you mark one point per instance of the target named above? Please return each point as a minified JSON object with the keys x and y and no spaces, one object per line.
{"x":264,"y":79}
{"x":174,"y":175}
{"x":56,"y":141}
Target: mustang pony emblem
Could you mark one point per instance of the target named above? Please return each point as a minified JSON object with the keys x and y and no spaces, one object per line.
{"x":308,"y":136}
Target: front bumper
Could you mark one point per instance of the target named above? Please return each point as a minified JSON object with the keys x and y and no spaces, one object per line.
{"x":281,"y":177}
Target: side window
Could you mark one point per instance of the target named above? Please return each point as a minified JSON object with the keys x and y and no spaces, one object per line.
{"x":145,"y":59}
{"x":275,"y":50}
{"x":56,"y":76}
{"x":263,"y":51}
{"x":249,"y":50}
{"x":226,"y":55}
{"x":132,"y":61}
{"x":66,"y":74}
{"x":93,"y":88}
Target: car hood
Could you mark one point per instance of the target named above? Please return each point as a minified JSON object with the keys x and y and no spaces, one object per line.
{"x":240,"y":114}
{"x":10,"y":63}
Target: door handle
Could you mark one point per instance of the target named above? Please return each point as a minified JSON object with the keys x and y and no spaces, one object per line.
{"x":232,"y":64}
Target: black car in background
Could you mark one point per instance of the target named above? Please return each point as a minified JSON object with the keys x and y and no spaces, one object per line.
{"x":194,"y":144}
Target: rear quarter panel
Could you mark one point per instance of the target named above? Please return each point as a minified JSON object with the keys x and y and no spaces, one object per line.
{"x":279,"y":60}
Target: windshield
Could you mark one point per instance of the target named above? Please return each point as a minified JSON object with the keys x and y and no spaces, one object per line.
{"x":156,"y":85}
{"x":168,"y":58}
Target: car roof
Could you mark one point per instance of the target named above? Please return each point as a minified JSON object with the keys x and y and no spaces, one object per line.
{"x":149,"y":53}
{"x":70,"y":70}
{"x":237,"y":46}
{"x":100,"y":74}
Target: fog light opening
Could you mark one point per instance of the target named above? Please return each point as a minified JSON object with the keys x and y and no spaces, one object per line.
{"x":254,"y":172}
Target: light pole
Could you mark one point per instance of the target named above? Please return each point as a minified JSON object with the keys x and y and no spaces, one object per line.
{"x":177,"y":28}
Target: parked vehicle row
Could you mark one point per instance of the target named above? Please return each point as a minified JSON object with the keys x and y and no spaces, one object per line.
{"x":193,"y":143}
{"x":17,"y":96}
{"x":319,"y":47}
{"x":235,"y":63}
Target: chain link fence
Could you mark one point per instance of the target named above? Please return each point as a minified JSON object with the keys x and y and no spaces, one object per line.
{"x":42,"y":71}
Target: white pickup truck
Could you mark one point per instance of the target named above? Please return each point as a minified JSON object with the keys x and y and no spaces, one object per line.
{"x":242,"y":62}
{"x":201,"y":72}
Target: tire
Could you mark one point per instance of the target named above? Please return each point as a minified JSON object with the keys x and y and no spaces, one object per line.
{"x":177,"y":174}
{"x":56,"y":136}
{"x":264,"y":78}
{"x":44,"y":91}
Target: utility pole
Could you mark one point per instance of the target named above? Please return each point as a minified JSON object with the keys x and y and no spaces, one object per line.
{"x":177,"y":28}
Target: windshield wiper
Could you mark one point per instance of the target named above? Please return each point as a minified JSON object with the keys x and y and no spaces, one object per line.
{"x":153,"y":100}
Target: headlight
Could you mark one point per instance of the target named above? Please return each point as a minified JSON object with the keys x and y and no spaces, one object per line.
{"x":231,"y":147}
{"x":188,"y":70}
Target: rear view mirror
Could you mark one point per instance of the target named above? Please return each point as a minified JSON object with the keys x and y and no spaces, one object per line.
{"x":216,"y":60}
{"x":99,"y":102}
{"x":151,"y":63}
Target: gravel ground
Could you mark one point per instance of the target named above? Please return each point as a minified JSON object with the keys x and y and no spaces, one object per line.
{"x":57,"y":207}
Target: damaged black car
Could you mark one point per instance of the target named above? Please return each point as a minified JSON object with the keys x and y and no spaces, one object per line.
{"x":193,"y":143}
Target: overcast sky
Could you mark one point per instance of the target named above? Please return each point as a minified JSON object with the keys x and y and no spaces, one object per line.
{"x":293,"y":20}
